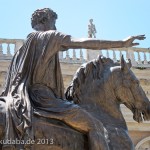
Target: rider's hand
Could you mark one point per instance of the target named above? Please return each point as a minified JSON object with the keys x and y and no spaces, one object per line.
{"x":128,"y":42}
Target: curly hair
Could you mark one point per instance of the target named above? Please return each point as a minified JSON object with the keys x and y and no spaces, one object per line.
{"x":41,"y":15}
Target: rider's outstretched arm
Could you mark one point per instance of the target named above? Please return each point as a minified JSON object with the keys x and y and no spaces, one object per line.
{"x":95,"y":44}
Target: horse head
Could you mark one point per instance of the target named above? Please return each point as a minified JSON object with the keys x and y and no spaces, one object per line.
{"x":128,"y":91}
{"x":109,"y":84}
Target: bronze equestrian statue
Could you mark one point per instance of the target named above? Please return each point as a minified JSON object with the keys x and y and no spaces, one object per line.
{"x":33,"y":103}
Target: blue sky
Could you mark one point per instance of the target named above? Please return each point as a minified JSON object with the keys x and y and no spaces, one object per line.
{"x":114,"y":20}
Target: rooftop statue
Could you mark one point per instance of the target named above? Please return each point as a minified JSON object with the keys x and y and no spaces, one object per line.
{"x":91,"y":29}
{"x":34,"y":102}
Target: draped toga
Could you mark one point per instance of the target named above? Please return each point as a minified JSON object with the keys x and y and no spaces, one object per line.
{"x":34,"y":82}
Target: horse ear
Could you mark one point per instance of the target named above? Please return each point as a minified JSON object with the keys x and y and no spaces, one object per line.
{"x":124,"y":66}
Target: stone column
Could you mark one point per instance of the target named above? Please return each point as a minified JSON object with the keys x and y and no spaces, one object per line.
{"x":92,"y":54}
{"x":1,"y":49}
{"x":131,"y":56}
{"x":60,"y":55}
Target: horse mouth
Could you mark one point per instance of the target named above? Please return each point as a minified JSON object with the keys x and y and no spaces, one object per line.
{"x":141,"y":115}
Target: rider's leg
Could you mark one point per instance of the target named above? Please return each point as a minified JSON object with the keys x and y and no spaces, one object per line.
{"x":84,"y":122}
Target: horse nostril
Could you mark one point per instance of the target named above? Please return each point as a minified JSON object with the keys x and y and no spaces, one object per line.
{"x":146,"y":115}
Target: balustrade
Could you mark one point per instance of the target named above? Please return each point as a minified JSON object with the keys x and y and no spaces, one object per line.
{"x":8,"y":47}
{"x":73,"y":56}
{"x":140,"y":57}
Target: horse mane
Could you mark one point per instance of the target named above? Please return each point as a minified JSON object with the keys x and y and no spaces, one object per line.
{"x":90,"y":70}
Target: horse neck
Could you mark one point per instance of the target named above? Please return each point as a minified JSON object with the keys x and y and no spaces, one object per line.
{"x":100,"y":100}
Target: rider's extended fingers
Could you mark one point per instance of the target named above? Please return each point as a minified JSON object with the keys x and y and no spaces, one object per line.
{"x":135,"y":44}
{"x":140,"y":37}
